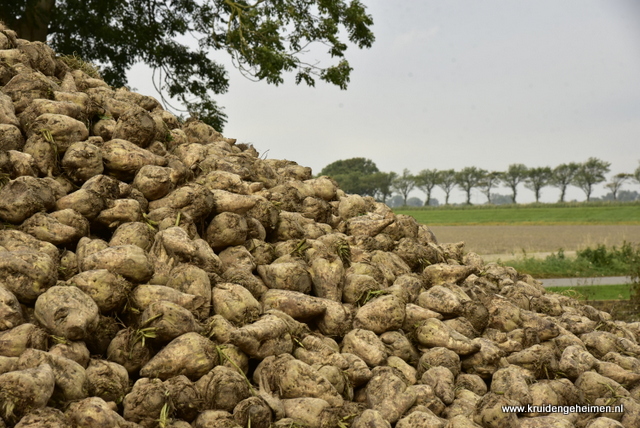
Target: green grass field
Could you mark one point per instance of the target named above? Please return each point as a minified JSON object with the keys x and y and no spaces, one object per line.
{"x":590,"y":262}
{"x":595,"y":292}
{"x":532,"y":214}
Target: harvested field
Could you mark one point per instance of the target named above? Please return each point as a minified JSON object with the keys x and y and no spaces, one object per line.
{"x":513,"y":240}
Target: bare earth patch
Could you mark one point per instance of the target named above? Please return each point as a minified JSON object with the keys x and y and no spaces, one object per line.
{"x":511,"y":241}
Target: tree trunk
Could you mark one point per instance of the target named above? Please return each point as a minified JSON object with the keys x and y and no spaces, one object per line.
{"x":34,"y":25}
{"x":515,"y":192}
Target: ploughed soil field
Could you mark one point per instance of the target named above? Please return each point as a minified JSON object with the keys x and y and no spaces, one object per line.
{"x":513,"y":240}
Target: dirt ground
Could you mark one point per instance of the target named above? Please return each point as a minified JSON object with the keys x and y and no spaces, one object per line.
{"x":514,"y":240}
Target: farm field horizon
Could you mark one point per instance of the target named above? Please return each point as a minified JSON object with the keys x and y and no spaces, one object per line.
{"x":519,"y":239}
{"x":531,"y":214}
{"x":516,"y":230}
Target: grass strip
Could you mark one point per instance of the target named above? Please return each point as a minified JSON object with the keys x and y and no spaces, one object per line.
{"x":590,"y":262}
{"x":554,"y":267}
{"x":540,"y":214}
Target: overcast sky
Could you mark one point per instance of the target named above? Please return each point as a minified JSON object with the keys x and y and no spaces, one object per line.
{"x":451,"y":84}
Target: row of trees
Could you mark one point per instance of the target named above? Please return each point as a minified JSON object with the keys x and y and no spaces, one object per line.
{"x":362,"y":176}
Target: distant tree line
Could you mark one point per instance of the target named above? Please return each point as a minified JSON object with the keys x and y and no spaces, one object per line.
{"x":362,"y":176}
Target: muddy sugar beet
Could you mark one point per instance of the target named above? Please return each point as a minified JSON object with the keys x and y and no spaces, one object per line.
{"x":154,"y":273}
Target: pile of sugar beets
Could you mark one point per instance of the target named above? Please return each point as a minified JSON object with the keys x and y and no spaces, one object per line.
{"x":156,"y":274}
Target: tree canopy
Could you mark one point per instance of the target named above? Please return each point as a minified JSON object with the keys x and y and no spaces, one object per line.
{"x":356,"y":175}
{"x":488,"y":182}
{"x":265,"y":39}
{"x":562,"y":177}
{"x":616,"y":183}
{"x":447,"y":181}
{"x":404,"y":184}
{"x":426,"y":180}
{"x":361,"y":176}
{"x":589,"y":174}
{"x":468,"y":178}
{"x":514,"y":175}
{"x":537,"y":178}
{"x":346,"y":166}
{"x":383,"y":182}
